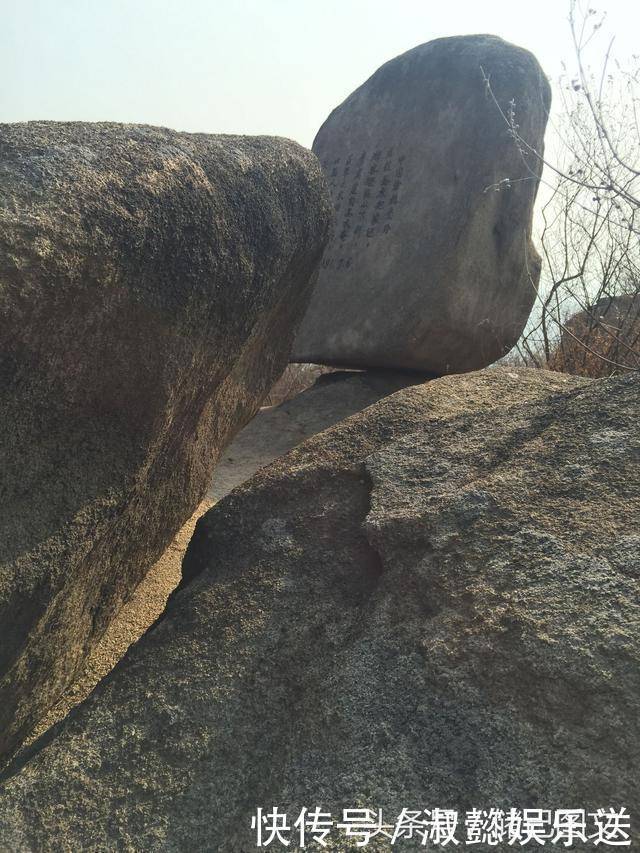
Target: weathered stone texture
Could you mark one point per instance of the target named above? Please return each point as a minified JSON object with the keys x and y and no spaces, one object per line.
{"x":150,"y":284}
{"x":430,"y":268}
{"x":434,"y":603}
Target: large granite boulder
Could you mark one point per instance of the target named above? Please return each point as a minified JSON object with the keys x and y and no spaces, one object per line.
{"x":434,"y":603}
{"x":150,"y":284}
{"x":431,"y":266}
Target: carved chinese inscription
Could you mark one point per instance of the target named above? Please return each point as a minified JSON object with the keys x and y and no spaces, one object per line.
{"x":365,"y":189}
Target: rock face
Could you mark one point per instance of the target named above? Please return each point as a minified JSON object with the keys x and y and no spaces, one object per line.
{"x":434,"y":603}
{"x":277,"y":429}
{"x":430,"y":268}
{"x":150,"y":283}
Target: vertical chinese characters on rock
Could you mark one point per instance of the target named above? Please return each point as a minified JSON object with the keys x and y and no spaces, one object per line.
{"x":365,"y":189}
{"x":427,"y":271}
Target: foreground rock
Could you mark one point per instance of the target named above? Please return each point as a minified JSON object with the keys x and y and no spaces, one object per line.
{"x":435,"y":603}
{"x":150,"y":282}
{"x":133,"y":619}
{"x":429,"y":267}
{"x":277,"y":429}
{"x":271,"y":433}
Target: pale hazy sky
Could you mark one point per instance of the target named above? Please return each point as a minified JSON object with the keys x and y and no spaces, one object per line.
{"x":248,"y":66}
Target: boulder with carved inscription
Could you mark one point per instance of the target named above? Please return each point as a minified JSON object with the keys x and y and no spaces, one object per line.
{"x":431,"y":266}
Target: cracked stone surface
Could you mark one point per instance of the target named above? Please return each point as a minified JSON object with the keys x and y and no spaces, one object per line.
{"x":434,"y":603}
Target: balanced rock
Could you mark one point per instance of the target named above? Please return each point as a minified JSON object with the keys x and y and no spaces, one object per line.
{"x":431,"y":266}
{"x":433,"y":604}
{"x":150,"y":283}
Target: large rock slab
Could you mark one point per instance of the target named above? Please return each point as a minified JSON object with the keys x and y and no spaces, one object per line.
{"x":430,"y":268}
{"x":150,"y":283}
{"x":433,"y":603}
